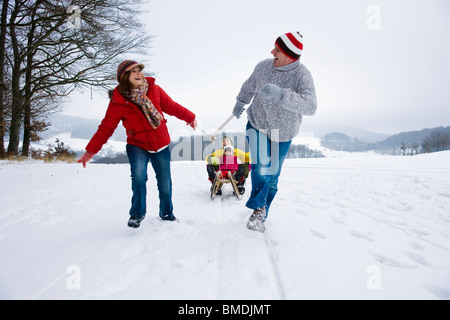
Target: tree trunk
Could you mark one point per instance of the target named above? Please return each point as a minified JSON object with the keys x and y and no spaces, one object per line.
{"x":16,"y":118}
{"x":2,"y":78}
{"x":27,"y":127}
{"x":27,"y":90}
{"x":16,"y":107}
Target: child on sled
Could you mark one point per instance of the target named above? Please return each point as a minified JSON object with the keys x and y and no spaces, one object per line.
{"x":229,"y":159}
{"x":230,"y":169}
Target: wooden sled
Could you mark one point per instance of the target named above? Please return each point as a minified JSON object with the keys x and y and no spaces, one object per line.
{"x":219,"y":182}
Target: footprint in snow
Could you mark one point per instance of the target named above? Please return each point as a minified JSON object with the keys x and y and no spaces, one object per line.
{"x":391,"y":262}
{"x":356,"y":234}
{"x":418,"y":259}
{"x":317,"y":234}
{"x":438,"y":292}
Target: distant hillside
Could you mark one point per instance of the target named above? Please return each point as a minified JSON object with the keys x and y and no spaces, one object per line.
{"x":79,"y":128}
{"x":422,"y":141}
{"x":195,"y":147}
{"x":320,"y":130}
{"x":84,"y":128}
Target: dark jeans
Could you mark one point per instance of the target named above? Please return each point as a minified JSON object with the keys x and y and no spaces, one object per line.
{"x":160,"y":161}
{"x":267,"y":159}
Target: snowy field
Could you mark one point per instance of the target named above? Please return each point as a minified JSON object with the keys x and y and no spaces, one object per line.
{"x":354,"y":227}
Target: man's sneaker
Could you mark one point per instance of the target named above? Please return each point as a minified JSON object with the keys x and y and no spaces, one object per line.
{"x":256,"y":220}
{"x":135,"y":221}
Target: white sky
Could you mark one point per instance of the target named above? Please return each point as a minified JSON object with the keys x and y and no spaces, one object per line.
{"x":389,"y":79}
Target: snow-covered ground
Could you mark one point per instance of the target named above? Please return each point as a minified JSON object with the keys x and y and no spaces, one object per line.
{"x":356,"y":227}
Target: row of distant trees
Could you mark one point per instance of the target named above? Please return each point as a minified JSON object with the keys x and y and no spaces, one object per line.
{"x":437,"y":140}
{"x":49,"y":48}
{"x":406,"y":143}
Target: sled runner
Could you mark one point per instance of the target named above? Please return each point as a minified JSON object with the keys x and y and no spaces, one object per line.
{"x":219,"y":181}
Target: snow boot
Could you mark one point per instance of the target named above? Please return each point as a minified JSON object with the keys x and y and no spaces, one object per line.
{"x":256,"y":220}
{"x":241,"y":190}
{"x":211,"y":172}
{"x":236,"y":191}
{"x":239,"y":173}
{"x":135,"y":221}
{"x":216,"y":186}
{"x":240,"y":186}
{"x":218,"y":192}
{"x":168,"y":217}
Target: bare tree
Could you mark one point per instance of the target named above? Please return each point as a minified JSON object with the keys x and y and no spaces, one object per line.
{"x":59,"y":46}
{"x":403,"y":147}
{"x":415,"y":148}
{"x":437,"y":140}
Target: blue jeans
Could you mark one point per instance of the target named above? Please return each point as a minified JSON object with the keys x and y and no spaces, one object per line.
{"x":267,"y":159}
{"x":160,"y":161}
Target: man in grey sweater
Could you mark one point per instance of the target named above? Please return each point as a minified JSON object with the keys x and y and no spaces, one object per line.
{"x":281,"y":91}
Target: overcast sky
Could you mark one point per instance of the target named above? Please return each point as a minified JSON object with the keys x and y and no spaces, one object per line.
{"x":378,"y":65}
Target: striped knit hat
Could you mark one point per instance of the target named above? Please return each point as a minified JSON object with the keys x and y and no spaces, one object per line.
{"x":125,"y":66}
{"x":291,"y":44}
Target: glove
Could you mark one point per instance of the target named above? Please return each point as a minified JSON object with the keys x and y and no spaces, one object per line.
{"x":271,"y":91}
{"x":214,"y":161}
{"x":238,"y":109}
{"x":86,"y":157}
{"x":193,"y":124}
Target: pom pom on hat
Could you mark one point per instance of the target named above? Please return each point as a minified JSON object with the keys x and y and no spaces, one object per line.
{"x":127,"y":65}
{"x":291,"y":44}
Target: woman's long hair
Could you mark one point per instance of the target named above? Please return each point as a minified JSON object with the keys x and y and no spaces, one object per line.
{"x":124,"y":86}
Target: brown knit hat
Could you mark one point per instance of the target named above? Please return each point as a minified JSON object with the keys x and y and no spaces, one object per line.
{"x":127,"y":65}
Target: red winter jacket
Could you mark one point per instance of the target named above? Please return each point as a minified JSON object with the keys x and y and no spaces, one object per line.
{"x":229,"y":163}
{"x":139,"y":131}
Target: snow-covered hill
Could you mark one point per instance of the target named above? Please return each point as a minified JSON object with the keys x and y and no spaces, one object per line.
{"x":359,"y":227}
{"x":77,"y":145}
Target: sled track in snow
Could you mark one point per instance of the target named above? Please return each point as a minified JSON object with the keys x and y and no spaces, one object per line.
{"x":64,"y":275}
{"x":273,"y":262}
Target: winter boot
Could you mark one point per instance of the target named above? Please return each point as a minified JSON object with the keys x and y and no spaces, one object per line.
{"x":240,"y":186}
{"x":256,"y":221}
{"x":211,"y":172}
{"x":135,"y":221}
{"x":168,"y":217}
{"x":239,"y":173}
{"x":219,"y":191}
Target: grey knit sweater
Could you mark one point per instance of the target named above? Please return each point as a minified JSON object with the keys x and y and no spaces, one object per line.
{"x":279,"y":117}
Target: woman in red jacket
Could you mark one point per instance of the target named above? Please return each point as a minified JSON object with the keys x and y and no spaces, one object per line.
{"x":141,"y":106}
